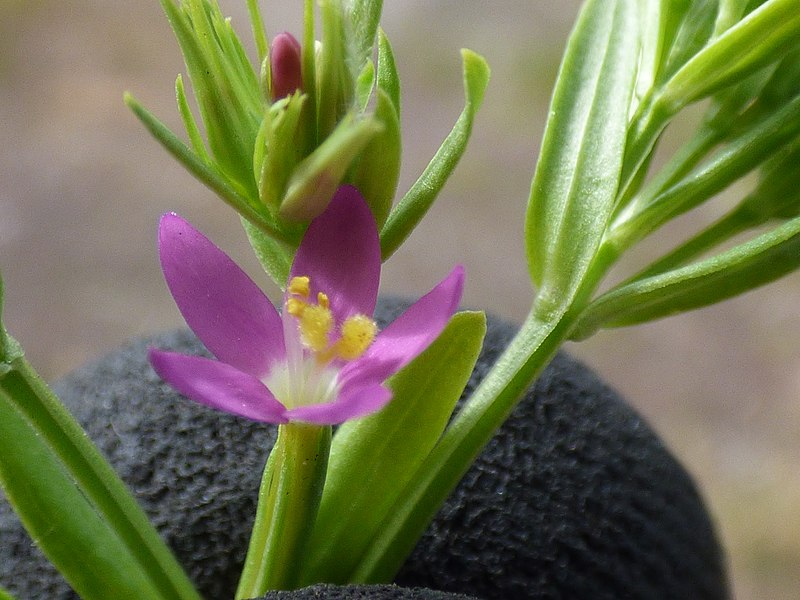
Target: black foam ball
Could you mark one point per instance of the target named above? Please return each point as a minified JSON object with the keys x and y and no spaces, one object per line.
{"x":575,"y":497}
{"x":364,"y":592}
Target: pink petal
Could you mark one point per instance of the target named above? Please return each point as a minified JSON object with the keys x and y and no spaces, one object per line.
{"x":222,"y":305}
{"x":341,"y":254}
{"x":352,"y":403}
{"x":408,"y":335}
{"x":218,"y":385}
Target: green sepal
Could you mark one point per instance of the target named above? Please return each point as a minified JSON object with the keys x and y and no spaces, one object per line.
{"x":259,"y":31}
{"x":578,"y":171}
{"x":275,"y":256}
{"x":388,"y":79}
{"x":364,"y":85}
{"x":335,"y":80}
{"x":765,"y":258}
{"x":317,"y":177}
{"x":377,"y":170}
{"x":74,"y":506}
{"x":277,"y":149}
{"x":415,"y":203}
{"x":364,"y":17}
{"x":372,"y":459}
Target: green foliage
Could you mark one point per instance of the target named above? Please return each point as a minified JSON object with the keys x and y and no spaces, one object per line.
{"x":373,"y":459}
{"x":74,"y":506}
{"x":278,"y":162}
{"x":577,"y":175}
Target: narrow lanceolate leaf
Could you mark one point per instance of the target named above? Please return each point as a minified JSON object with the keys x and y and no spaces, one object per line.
{"x":378,"y":168}
{"x":74,"y":506}
{"x":744,"y":267}
{"x":762,"y":37}
{"x":372,"y":459}
{"x":218,"y":182}
{"x":744,"y":153}
{"x":364,"y":17}
{"x":578,"y":172}
{"x":416,"y":202}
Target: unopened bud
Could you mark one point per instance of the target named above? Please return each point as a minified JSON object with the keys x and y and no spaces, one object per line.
{"x":285,"y":66}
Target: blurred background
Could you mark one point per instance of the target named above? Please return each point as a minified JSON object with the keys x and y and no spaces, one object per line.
{"x":82,"y":186}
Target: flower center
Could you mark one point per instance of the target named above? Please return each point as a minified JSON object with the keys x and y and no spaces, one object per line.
{"x":316,"y":324}
{"x":310,"y":373}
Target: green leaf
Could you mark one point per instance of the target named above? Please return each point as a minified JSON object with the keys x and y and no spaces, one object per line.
{"x":416,"y":202}
{"x":224,"y":83}
{"x":741,"y":155}
{"x":74,"y":506}
{"x":757,"y":40}
{"x":372,"y":459}
{"x":217,"y":181}
{"x":744,"y":267}
{"x":577,"y":175}
{"x":377,"y":171}
{"x":189,"y":123}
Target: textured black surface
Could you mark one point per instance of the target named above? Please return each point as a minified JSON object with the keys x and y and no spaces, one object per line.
{"x":364,"y":592}
{"x":575,"y":497}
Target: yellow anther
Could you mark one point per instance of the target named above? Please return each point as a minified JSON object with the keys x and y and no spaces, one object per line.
{"x":295,"y":307}
{"x":322,"y":300}
{"x":358,"y":332}
{"x":300,"y":286}
{"x":316,"y":323}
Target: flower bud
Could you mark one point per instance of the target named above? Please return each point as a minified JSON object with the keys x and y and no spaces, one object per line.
{"x":285,"y":66}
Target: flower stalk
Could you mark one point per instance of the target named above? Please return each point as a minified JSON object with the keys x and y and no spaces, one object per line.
{"x":288,"y":500}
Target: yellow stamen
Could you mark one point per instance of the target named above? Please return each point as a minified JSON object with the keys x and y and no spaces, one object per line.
{"x":358,"y":332}
{"x":300,"y":286}
{"x":316,"y":323}
{"x":295,"y":307}
{"x":322,"y":300}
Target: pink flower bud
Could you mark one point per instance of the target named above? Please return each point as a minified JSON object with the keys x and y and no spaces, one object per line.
{"x":285,"y":65}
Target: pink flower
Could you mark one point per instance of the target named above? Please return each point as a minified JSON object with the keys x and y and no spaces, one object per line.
{"x":323,"y":359}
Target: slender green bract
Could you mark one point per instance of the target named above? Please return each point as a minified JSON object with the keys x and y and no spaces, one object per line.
{"x":72,"y":503}
{"x":416,"y":202}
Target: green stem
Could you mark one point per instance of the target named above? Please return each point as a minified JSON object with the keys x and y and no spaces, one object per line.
{"x":527,"y":354}
{"x":287,"y":507}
